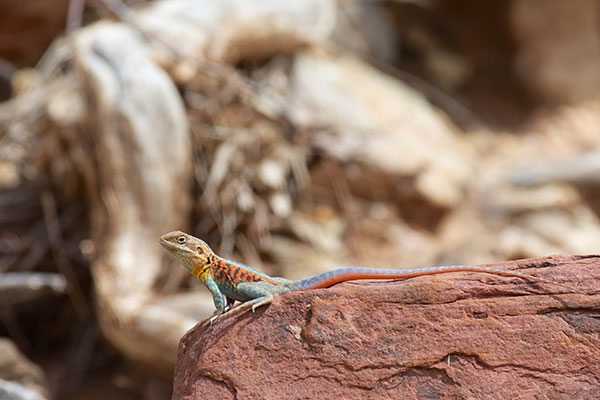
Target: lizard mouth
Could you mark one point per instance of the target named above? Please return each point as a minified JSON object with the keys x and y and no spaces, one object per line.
{"x":166,"y":244}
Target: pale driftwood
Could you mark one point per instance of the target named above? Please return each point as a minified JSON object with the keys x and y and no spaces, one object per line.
{"x":233,"y":30}
{"x":584,"y":169}
{"x":15,"y":391}
{"x":17,"y":287}
{"x":374,"y":117}
{"x":142,"y":152}
{"x":143,"y":156}
{"x":20,"y":379}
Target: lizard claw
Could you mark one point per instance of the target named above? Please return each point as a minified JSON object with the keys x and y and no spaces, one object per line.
{"x":210,"y":320}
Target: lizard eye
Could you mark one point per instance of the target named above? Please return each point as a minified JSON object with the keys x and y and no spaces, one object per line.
{"x":181,"y":239}
{"x":200,"y":250}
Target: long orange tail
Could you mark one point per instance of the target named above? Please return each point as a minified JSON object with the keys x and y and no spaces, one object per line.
{"x":330,"y":278}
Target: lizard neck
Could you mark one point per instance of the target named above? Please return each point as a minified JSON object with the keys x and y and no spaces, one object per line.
{"x":199,"y":272}
{"x":198,"y":267}
{"x":202,"y":270}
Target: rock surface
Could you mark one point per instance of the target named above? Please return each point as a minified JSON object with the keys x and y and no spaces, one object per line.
{"x":459,"y":335}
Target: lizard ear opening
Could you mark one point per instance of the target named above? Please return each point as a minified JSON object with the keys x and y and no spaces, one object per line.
{"x":200,"y":250}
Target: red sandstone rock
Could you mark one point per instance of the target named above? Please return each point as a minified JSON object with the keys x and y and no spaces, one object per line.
{"x":451,"y":336}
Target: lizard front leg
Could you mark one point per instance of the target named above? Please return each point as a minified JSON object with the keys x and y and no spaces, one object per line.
{"x":218,"y":299}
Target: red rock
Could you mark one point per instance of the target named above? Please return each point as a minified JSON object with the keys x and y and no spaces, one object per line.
{"x":461,"y":335}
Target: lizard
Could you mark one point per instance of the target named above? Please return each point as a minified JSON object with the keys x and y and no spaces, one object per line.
{"x":229,"y":281}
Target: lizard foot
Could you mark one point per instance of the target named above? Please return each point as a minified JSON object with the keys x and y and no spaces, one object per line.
{"x":252,"y":304}
{"x":263,"y":301}
{"x":212,"y":319}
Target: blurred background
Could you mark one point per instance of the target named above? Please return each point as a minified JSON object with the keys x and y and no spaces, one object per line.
{"x":296,"y":138}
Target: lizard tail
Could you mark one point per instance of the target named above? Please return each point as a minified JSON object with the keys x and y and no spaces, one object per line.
{"x":330,"y":278}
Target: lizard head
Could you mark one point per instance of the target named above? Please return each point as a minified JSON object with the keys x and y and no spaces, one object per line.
{"x":193,"y":253}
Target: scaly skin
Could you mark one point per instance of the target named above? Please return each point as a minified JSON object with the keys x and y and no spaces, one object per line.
{"x":229,"y":281}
